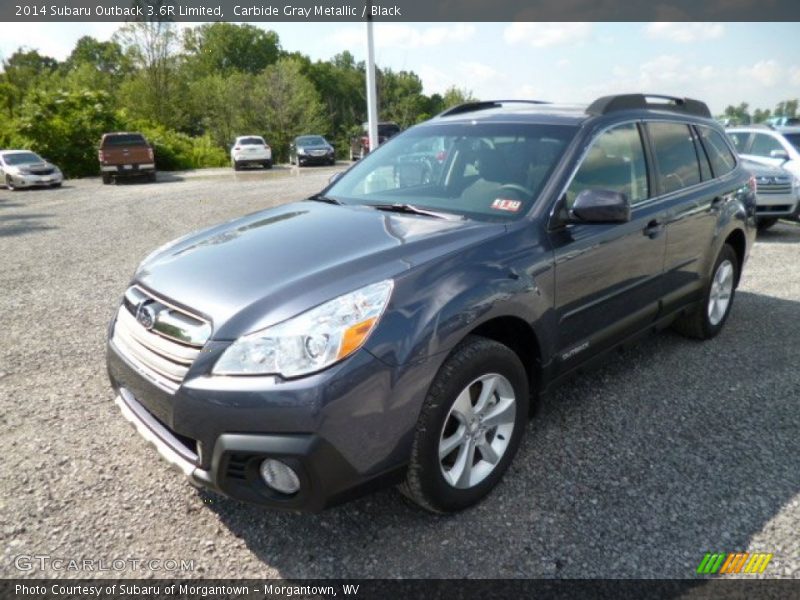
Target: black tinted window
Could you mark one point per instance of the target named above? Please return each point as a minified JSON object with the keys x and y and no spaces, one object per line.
{"x":793,"y":139}
{"x":705,"y":165}
{"x":125,"y":139}
{"x":676,"y":155}
{"x":763,"y":145}
{"x":251,"y":141}
{"x":719,"y":153}
{"x":614,"y":162}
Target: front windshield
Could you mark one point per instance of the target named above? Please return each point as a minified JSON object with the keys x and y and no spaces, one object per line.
{"x":794,"y":139}
{"x":311,"y":140}
{"x":488,"y":171}
{"x":21,"y":158}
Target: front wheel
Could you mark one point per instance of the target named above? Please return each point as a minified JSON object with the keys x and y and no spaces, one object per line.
{"x":10,"y":183}
{"x":469,"y":428}
{"x":707,"y":318}
{"x":766,"y":223}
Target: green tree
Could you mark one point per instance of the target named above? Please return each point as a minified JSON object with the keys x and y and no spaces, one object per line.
{"x":454,"y":96}
{"x":22,"y":72}
{"x":225,"y":47}
{"x":289,"y":103}
{"x":759,"y":115}
{"x":787,"y":108}
{"x":66,"y":126}
{"x":740,"y":113}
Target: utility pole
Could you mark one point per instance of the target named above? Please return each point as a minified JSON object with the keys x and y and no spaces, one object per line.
{"x":372,"y":96}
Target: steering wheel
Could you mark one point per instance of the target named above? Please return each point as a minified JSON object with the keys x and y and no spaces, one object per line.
{"x":526,"y":193}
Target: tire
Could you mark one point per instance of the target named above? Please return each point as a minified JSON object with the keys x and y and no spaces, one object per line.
{"x":438,"y":484}
{"x":55,"y":185}
{"x":236,"y":166}
{"x":106,"y":179}
{"x":332,"y":162}
{"x":352,"y":158}
{"x":151,"y":177}
{"x":267,"y":164}
{"x":766,"y":223}
{"x":10,"y":184}
{"x":704,"y":321}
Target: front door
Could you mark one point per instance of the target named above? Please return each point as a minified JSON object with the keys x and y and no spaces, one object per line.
{"x":608,"y":278}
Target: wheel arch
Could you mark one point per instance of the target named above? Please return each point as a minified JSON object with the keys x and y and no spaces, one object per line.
{"x":738,"y":242}
{"x":521,"y":338}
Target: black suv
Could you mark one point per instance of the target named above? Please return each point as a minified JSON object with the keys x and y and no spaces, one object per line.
{"x":398,"y":326}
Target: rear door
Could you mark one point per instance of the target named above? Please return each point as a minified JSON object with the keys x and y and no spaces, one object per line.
{"x":692,"y":191}
{"x":608,"y":276}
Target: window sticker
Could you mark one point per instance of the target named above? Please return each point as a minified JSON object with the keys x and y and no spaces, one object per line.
{"x":507,"y":205}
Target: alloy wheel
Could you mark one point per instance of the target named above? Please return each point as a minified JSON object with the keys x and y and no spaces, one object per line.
{"x":477,"y":431}
{"x":719,"y":298}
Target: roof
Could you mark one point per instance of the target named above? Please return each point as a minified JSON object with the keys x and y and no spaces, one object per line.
{"x":536,"y":111}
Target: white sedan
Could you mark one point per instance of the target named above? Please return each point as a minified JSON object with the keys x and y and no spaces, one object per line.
{"x":23,"y":168}
{"x":251,"y":150}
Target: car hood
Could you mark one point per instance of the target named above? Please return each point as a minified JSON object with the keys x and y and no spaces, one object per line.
{"x":764,"y":170}
{"x":261,"y":269}
{"x":31,"y":165}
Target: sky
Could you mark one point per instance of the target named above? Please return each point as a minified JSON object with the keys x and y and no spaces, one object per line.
{"x":720,"y":63}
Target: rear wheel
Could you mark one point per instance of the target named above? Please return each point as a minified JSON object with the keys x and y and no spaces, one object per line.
{"x":469,"y":428}
{"x":236,"y":166}
{"x":106,"y":179}
{"x":151,"y":177}
{"x":267,"y":164}
{"x":708,"y":317}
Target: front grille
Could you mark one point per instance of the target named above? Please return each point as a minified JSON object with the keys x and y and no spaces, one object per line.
{"x":43,"y":171}
{"x":779,"y":208}
{"x":159,"y":339}
{"x":774,"y":188}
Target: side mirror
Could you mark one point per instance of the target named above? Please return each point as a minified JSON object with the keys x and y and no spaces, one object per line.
{"x":601,"y":206}
{"x":334,"y":178}
{"x":781,"y":154}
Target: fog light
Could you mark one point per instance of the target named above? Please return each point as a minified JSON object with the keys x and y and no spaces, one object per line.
{"x":279,"y":476}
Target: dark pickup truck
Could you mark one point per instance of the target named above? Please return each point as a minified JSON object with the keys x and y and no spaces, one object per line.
{"x":124,"y":154}
{"x":359,"y":145}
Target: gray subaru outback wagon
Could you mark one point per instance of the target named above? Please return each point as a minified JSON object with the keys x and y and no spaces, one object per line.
{"x":397,"y":327}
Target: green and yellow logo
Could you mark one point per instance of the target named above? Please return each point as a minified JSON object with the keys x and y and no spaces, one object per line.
{"x":733,"y":562}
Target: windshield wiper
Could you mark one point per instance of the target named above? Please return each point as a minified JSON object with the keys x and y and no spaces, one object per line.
{"x":413,"y":210}
{"x":323,"y":198}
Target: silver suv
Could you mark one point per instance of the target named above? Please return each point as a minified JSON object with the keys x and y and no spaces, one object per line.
{"x":774,"y":146}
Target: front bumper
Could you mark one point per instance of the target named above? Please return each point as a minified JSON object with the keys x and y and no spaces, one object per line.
{"x":25,"y":181}
{"x":344,"y":431}
{"x":308,"y":159}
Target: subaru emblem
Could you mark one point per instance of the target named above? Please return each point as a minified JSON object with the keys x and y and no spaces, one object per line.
{"x":145,"y":315}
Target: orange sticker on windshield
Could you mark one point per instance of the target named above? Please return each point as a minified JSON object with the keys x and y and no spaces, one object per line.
{"x":509,"y":205}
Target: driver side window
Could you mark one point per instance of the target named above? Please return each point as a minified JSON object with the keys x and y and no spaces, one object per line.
{"x":614,"y":162}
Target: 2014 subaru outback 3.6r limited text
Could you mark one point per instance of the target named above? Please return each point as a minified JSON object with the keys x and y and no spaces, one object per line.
{"x":397,"y":327}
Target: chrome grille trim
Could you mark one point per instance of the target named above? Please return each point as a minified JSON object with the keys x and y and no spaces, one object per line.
{"x":165,"y":359}
{"x":774,"y":189}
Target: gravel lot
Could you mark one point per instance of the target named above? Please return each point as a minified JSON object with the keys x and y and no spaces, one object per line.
{"x":670,"y":450}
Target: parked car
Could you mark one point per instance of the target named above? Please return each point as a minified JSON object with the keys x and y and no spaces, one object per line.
{"x":311,"y":150}
{"x":783,"y":121}
{"x":126,"y":154}
{"x":777,"y":194}
{"x":775,"y":146}
{"x":359,"y":145}
{"x":413,"y":319}
{"x":250,"y":150}
{"x":23,"y":169}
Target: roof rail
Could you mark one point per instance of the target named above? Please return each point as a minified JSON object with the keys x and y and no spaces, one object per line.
{"x":607,"y":104}
{"x":483,"y":105}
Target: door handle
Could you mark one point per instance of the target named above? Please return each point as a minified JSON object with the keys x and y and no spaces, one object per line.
{"x":654,"y":229}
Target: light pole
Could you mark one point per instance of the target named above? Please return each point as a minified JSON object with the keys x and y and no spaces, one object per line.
{"x":372,"y":96}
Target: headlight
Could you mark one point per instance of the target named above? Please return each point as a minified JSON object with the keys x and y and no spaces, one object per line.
{"x":310,"y":341}
{"x":301,"y":151}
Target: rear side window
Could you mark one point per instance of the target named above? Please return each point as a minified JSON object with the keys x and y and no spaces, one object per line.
{"x":719,"y":153}
{"x":614,"y":162}
{"x":763,"y":144}
{"x":739,"y":140}
{"x":125,"y":139}
{"x":676,"y":155}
